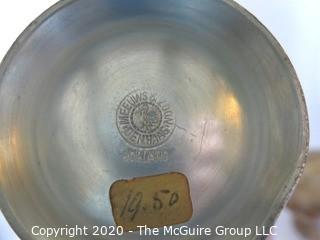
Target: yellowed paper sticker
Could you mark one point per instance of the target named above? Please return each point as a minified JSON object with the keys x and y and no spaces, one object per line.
{"x":154,"y":201}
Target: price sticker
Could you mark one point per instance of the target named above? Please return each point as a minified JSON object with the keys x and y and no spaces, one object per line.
{"x":153,"y":201}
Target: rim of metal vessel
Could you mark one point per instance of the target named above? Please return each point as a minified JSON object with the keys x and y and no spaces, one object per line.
{"x":284,"y":195}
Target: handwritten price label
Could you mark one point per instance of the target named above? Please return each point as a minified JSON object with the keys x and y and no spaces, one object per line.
{"x":154,"y":201}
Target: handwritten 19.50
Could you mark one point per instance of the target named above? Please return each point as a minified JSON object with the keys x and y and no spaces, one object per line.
{"x":160,"y":199}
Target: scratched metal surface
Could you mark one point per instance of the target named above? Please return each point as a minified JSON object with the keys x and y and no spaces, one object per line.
{"x":212,"y":95}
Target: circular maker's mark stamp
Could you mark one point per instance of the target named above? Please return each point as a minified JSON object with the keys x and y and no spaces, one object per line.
{"x":145,"y":121}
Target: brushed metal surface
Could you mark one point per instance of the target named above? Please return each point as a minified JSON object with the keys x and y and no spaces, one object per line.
{"x":212,"y":93}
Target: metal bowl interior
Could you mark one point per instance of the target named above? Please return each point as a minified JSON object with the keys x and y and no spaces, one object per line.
{"x":239,"y":128}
